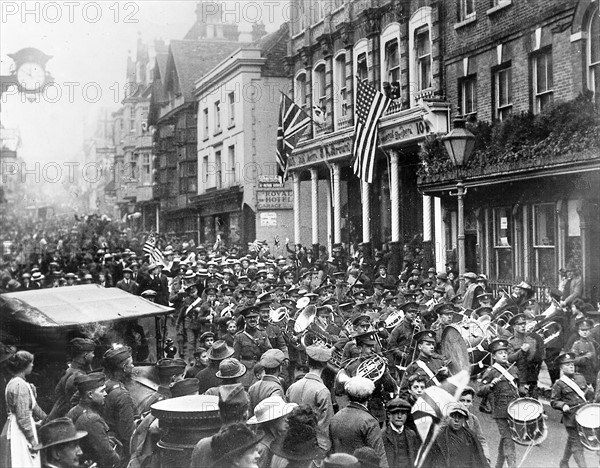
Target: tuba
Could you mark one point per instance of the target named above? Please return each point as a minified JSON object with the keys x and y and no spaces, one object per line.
{"x":305,"y":318}
{"x":279,"y":316}
{"x":547,"y":327}
{"x":372,"y":368}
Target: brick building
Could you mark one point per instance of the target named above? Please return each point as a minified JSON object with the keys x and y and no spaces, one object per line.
{"x":532,"y":206}
{"x":395,"y":46}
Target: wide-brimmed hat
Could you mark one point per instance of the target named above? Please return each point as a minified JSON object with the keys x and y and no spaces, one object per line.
{"x":230,"y":368}
{"x":58,"y":431}
{"x":219,"y":351}
{"x":270,"y":409}
{"x":231,"y":441}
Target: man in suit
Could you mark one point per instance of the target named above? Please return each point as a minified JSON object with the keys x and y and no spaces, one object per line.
{"x":573,"y":287}
{"x":59,"y":444}
{"x":127,"y":284}
{"x":157,"y":282}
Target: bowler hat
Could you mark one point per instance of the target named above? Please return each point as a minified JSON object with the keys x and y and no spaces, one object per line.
{"x":58,"y":431}
{"x":230,"y":368}
{"x":219,"y":351}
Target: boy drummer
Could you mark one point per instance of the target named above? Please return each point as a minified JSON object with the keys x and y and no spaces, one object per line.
{"x":569,"y":393}
{"x":501,"y":380}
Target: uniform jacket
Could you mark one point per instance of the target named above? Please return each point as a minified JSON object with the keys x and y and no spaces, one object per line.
{"x":65,"y":389}
{"x":588,"y":366}
{"x":249,"y":345}
{"x":96,"y":445}
{"x":391,"y":442}
{"x":275,"y":337}
{"x":504,"y":392}
{"x":311,"y":391}
{"x":400,"y":338}
{"x":354,"y":427}
{"x":563,"y":395}
{"x":434,"y":364}
{"x":268,"y":386}
{"x":119,"y":411}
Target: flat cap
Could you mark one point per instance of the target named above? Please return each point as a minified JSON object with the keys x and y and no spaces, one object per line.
{"x":470,"y":275}
{"x":87,"y":382}
{"x":398,"y":404}
{"x":459,"y":408}
{"x":319,"y":353}
{"x":272,"y":358}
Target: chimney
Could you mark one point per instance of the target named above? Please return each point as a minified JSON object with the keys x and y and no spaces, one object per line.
{"x":258,"y":31}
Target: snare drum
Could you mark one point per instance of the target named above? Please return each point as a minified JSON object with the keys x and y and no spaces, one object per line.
{"x":526,"y":421}
{"x":588,"y":425}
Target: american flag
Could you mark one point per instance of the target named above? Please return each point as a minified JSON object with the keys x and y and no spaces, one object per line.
{"x":276,"y":241}
{"x":151,"y":249}
{"x":370,"y":105}
{"x":292,"y":122}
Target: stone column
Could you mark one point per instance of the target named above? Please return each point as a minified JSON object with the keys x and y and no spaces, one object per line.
{"x":396,"y":259}
{"x":366,"y":218}
{"x":296,"y":186}
{"x":337,"y":205}
{"x":314,"y":178}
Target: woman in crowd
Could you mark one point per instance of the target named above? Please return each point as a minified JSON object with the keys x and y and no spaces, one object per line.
{"x":19,"y":434}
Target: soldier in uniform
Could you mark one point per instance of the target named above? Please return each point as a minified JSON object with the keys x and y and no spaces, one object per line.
{"x":427,"y":363}
{"x":82,"y":350}
{"x":270,"y":383}
{"x":569,"y":393}
{"x":119,"y":409}
{"x":169,"y":371}
{"x":250,"y":343}
{"x":585,"y":350}
{"x":97,"y":446}
{"x":310,"y":390}
{"x":272,"y":330}
{"x":527,"y":351}
{"x":401,"y":340}
{"x":187,"y":323}
{"x":445,"y":313}
{"x":501,"y":380}
{"x":59,"y":444}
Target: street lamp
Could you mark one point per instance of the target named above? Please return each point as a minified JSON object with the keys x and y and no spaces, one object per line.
{"x":459,"y":144}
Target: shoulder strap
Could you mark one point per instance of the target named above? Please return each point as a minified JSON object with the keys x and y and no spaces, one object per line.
{"x":507,"y":375}
{"x":428,"y":371}
{"x":576,"y":388}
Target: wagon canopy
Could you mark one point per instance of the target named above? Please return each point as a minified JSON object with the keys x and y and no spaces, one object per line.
{"x":75,"y":305}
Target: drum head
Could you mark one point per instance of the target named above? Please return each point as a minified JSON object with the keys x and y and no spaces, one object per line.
{"x":455,"y":348}
{"x":525,"y":409}
{"x":589,"y":416}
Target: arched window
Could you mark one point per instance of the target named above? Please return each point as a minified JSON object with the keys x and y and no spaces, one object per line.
{"x":319,"y":85}
{"x":300,"y":89}
{"x":419,"y":45}
{"x":340,"y":91}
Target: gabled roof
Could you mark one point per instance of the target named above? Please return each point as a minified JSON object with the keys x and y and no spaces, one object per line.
{"x":190,"y":60}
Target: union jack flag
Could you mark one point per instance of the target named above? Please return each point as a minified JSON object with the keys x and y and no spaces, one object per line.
{"x":292,"y":122}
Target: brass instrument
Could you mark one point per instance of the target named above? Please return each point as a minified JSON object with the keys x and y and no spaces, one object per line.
{"x":547,"y":327}
{"x":279,"y":316}
{"x":372,"y":368}
{"x":305,"y":318}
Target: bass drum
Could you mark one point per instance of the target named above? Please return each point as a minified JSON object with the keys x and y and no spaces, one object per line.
{"x":588,"y":425}
{"x":455,"y":348}
{"x":526,"y":421}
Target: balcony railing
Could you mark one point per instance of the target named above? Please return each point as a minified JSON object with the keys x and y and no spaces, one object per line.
{"x":394,"y":107}
{"x":344,"y":122}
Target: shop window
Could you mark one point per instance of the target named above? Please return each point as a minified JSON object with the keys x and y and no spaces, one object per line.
{"x":542,"y":80}
{"x":544,"y":237}
{"x":503,"y":93}
{"x":503,"y":254}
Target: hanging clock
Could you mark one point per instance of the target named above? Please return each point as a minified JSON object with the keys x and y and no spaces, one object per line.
{"x":31,"y":75}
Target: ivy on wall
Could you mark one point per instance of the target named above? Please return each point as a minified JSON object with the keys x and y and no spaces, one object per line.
{"x":565,"y":132}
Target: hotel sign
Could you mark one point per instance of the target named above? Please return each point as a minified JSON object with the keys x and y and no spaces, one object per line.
{"x":274,"y":199}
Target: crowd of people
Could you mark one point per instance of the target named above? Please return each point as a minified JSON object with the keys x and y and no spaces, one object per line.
{"x":315,"y":359}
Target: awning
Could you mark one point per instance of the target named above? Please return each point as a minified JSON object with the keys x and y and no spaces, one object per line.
{"x":75,"y":305}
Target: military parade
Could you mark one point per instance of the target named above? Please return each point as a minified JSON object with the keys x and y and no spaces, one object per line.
{"x":300,"y":234}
